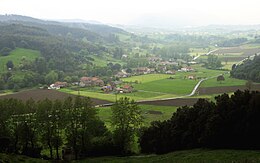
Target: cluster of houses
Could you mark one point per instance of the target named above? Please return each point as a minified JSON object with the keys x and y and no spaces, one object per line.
{"x":91,"y":82}
{"x":124,"y":89}
{"x":96,"y":82}
{"x":146,"y":70}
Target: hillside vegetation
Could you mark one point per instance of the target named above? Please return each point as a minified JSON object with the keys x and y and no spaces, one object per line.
{"x":249,"y":70}
{"x":191,"y":156}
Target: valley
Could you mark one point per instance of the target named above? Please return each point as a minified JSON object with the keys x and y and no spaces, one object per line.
{"x":75,"y":90}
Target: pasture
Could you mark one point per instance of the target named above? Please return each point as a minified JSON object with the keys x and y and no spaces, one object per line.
{"x":158,"y":86}
{"x":149,"y":112}
{"x":227,"y":82}
{"x":16,"y":56}
{"x":195,"y":155}
{"x":150,"y":86}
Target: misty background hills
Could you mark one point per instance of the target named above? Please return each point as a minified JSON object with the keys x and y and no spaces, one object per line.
{"x":145,"y":24}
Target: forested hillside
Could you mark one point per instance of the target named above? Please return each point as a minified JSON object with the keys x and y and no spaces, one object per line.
{"x":65,"y":51}
{"x":249,"y":70}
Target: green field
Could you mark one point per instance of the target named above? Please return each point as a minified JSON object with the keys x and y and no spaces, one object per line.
{"x":187,"y":156}
{"x":166,"y":113}
{"x":151,"y":86}
{"x":154,"y":86}
{"x":6,"y":158}
{"x":227,"y":82}
{"x":16,"y":57}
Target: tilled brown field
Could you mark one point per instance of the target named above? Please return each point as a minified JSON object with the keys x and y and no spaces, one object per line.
{"x":172,"y":102}
{"x":246,"y":52}
{"x":43,"y":94}
{"x":224,"y":89}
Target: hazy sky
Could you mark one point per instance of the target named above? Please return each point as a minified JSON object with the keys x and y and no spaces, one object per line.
{"x":188,"y":12}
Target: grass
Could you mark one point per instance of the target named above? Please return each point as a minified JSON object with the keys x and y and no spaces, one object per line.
{"x":185,"y":156}
{"x":166,"y":112}
{"x":147,"y":78}
{"x":16,"y":57}
{"x":172,"y":86}
{"x":154,"y":86}
{"x":18,"y":158}
{"x":227,"y":82}
{"x":151,"y":86}
{"x":193,"y":156}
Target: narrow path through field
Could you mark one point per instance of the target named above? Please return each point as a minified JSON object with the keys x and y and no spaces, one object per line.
{"x":184,"y":97}
{"x":204,"y":54}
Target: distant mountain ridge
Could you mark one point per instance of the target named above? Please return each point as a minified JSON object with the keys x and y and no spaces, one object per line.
{"x":101,"y":29}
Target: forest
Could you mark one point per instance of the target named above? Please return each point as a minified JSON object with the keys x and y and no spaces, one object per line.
{"x":71,"y":125}
{"x":229,"y":123}
{"x":31,"y":127}
{"x":249,"y":70}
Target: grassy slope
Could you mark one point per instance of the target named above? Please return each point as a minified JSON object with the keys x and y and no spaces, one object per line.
{"x":193,"y":156}
{"x":18,"y":158}
{"x":196,"y":155}
{"x":227,"y":82}
{"x":16,"y":56}
{"x":167,"y":111}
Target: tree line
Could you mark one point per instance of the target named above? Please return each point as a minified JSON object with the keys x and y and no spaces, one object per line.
{"x":248,"y":70}
{"x":29,"y":127}
{"x":229,"y":123}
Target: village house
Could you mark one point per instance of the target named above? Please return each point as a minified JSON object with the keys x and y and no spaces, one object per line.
{"x":170,"y":72}
{"x":192,"y":77}
{"x":58,"y":85}
{"x":91,"y":81}
{"x":125,"y":89}
{"x":167,"y":63}
{"x":107,"y":88}
{"x":154,"y":59}
{"x":122,"y":75}
{"x":124,"y":56}
{"x":143,"y":70}
{"x":186,"y":69}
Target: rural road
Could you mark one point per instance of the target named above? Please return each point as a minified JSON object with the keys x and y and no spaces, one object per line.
{"x":204,"y":54}
{"x":194,"y":89}
{"x":173,"y":98}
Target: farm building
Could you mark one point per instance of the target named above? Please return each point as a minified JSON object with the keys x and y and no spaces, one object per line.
{"x":58,"y":85}
{"x":170,"y":72}
{"x":143,"y":70}
{"x":107,"y":88}
{"x":122,"y":75}
{"x":125,"y":89}
{"x":192,"y":77}
{"x":186,"y":69}
{"x":91,"y":81}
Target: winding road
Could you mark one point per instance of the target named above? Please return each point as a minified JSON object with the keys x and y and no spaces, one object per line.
{"x":173,"y":98}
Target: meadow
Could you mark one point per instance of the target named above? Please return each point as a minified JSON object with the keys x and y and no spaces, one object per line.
{"x":16,"y":57}
{"x":149,"y":112}
{"x":158,"y":86}
{"x":191,"y":156}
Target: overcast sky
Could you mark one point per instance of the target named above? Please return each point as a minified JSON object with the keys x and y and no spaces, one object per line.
{"x":187,"y":12}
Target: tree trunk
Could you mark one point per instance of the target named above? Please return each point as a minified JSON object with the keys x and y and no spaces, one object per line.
{"x":50,"y":148}
{"x":15,"y":143}
{"x":57,"y":153}
{"x":75,"y":148}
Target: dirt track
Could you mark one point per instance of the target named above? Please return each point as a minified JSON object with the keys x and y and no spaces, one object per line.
{"x":224,"y":89}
